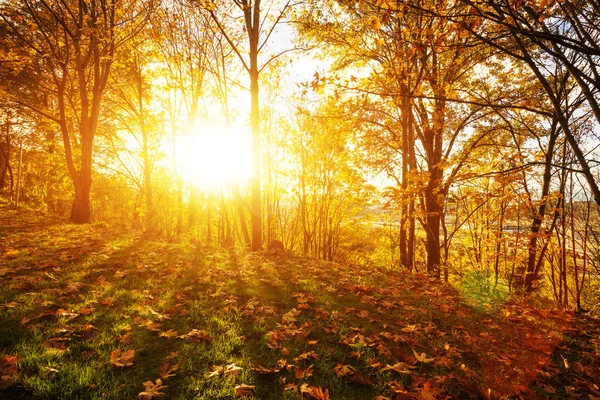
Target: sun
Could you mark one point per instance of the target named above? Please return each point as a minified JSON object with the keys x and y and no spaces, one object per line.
{"x":214,"y":155}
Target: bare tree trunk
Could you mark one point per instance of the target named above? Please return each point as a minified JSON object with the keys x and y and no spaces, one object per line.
{"x":147,"y":164}
{"x":499,"y":239}
{"x":81,"y":212}
{"x":19,"y":174}
{"x":404,"y":209}
{"x":531,"y":271}
{"x":253,"y":24}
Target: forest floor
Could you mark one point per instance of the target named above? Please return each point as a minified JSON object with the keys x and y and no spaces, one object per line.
{"x":95,"y":311}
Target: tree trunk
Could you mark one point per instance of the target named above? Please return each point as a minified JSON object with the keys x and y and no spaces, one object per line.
{"x":255,"y":125}
{"x":404,"y":210}
{"x":5,"y":157}
{"x":432,"y":226}
{"x":531,"y":271}
{"x":81,"y":212}
{"x":147,"y":163}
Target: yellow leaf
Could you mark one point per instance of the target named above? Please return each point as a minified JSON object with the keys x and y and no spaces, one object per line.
{"x":422,"y":357}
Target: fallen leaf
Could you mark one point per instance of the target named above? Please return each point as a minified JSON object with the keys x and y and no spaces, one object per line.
{"x":55,"y":345}
{"x":196,"y":335}
{"x":401,"y":368}
{"x":107,"y":302}
{"x":122,"y":360}
{"x":300,"y":373}
{"x":90,"y":332}
{"x":307,"y":355}
{"x":290,"y":386}
{"x":314,"y":392}
{"x":343,"y":370}
{"x":8,"y":371}
{"x":86,"y":310}
{"x":166,"y":370}
{"x":169,"y":334}
{"x":429,"y":392}
{"x":124,"y":339}
{"x":244,"y":390}
{"x":262,"y":370}
{"x":229,"y":369}
{"x":152,"y":390}
{"x":422,"y":357}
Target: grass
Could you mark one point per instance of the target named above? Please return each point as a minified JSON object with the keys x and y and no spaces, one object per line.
{"x":288,"y":328}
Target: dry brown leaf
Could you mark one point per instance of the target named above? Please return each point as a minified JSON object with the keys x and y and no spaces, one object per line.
{"x":429,"y":392}
{"x":152,"y":390}
{"x":86,"y":310}
{"x":196,"y":335}
{"x":307,"y":355}
{"x":169,"y":334}
{"x":300,"y":373}
{"x":55,"y":345}
{"x":244,"y":390}
{"x":124,"y":339}
{"x":290,"y":317}
{"x":382,"y":349}
{"x":166,"y":370}
{"x":343,"y":370}
{"x":8,"y":371}
{"x":401,"y":368}
{"x":229,"y":369}
{"x":291,"y":386}
{"x":314,"y":392}
{"x":262,"y":370}
{"x":122,"y":360}
{"x":89,"y":333}
{"x":422,"y":357}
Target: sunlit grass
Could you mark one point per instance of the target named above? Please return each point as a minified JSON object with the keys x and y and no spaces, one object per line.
{"x":140,"y":295}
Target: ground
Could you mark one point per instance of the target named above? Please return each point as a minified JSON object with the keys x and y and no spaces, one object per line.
{"x":99,"y":311}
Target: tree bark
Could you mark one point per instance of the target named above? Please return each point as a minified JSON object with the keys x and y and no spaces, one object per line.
{"x":531,"y":271}
{"x":404,"y":209}
{"x":253,"y":24}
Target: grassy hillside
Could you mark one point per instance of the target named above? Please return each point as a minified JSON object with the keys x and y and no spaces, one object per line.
{"x":97,"y":312}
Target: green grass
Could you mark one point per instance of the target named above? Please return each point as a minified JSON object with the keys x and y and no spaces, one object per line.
{"x":71,"y":295}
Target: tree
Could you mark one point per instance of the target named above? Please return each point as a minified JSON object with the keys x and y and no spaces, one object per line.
{"x":420,"y":69}
{"x":184,"y":37}
{"x":563,"y":32}
{"x":133,"y":116}
{"x":69,"y":46}
{"x":258,"y":29}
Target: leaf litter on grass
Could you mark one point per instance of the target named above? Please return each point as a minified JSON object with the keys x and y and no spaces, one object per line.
{"x":384,"y":333}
